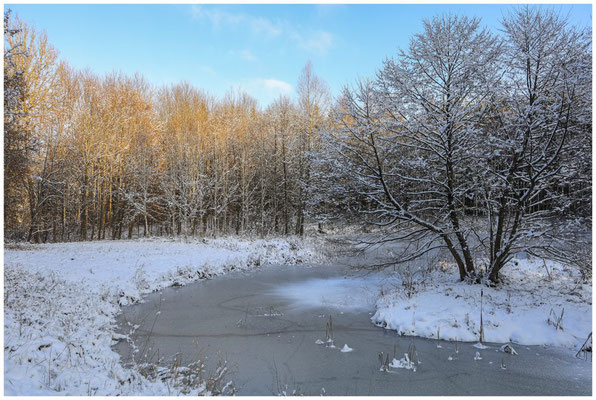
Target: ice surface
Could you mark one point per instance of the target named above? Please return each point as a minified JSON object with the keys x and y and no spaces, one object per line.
{"x":266,"y":351}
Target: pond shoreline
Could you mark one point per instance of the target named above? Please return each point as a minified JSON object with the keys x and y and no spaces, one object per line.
{"x":278,"y":353}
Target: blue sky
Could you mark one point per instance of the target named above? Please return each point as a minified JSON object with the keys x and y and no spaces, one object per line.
{"x":258,"y":48}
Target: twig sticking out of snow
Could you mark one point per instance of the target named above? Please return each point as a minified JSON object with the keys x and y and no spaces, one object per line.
{"x":586,"y":348}
{"x":550,"y":278}
{"x":329,"y":330}
{"x":329,"y":334}
{"x":477,"y":356}
{"x":508,"y":303}
{"x":384,"y":360}
{"x":556,"y":321}
{"x":481,"y":334}
{"x":413,"y":355}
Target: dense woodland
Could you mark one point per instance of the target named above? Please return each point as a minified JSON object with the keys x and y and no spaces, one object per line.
{"x":90,"y":157}
{"x":468,"y":141}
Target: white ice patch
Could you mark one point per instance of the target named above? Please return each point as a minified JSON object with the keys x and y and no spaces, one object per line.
{"x":347,"y":294}
{"x":346,"y":349}
{"x":404,"y":363}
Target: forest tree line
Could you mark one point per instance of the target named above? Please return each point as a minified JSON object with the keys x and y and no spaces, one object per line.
{"x":90,"y":157}
{"x":468,"y":141}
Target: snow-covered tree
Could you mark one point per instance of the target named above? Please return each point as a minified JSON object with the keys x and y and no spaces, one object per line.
{"x":459,"y":143}
{"x":539,"y":134}
{"x":411,"y":136}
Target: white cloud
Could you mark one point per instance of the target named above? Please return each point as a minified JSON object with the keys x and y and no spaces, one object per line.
{"x":325,"y":10}
{"x":318,"y":42}
{"x":244,"y":54}
{"x":219,"y":18}
{"x":314,"y":41}
{"x":215,"y":16}
{"x":266,"y":26}
{"x":247,"y":55}
{"x":266,"y":90}
{"x":277,"y":85}
{"x":207,"y":70}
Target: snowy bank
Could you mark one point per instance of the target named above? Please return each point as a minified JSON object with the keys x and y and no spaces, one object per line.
{"x":61,"y":301}
{"x":525,"y":309}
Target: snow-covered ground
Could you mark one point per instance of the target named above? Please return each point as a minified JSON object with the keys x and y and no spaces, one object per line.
{"x":524,"y":310}
{"x":61,"y":300}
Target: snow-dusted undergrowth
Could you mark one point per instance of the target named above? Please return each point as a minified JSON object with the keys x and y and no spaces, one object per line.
{"x":518,"y":311}
{"x":61,"y":301}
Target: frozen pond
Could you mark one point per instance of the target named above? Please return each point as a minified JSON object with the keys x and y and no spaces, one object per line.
{"x":266,"y":323}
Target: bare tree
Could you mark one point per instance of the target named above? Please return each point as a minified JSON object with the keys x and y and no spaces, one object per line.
{"x":16,"y":135}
